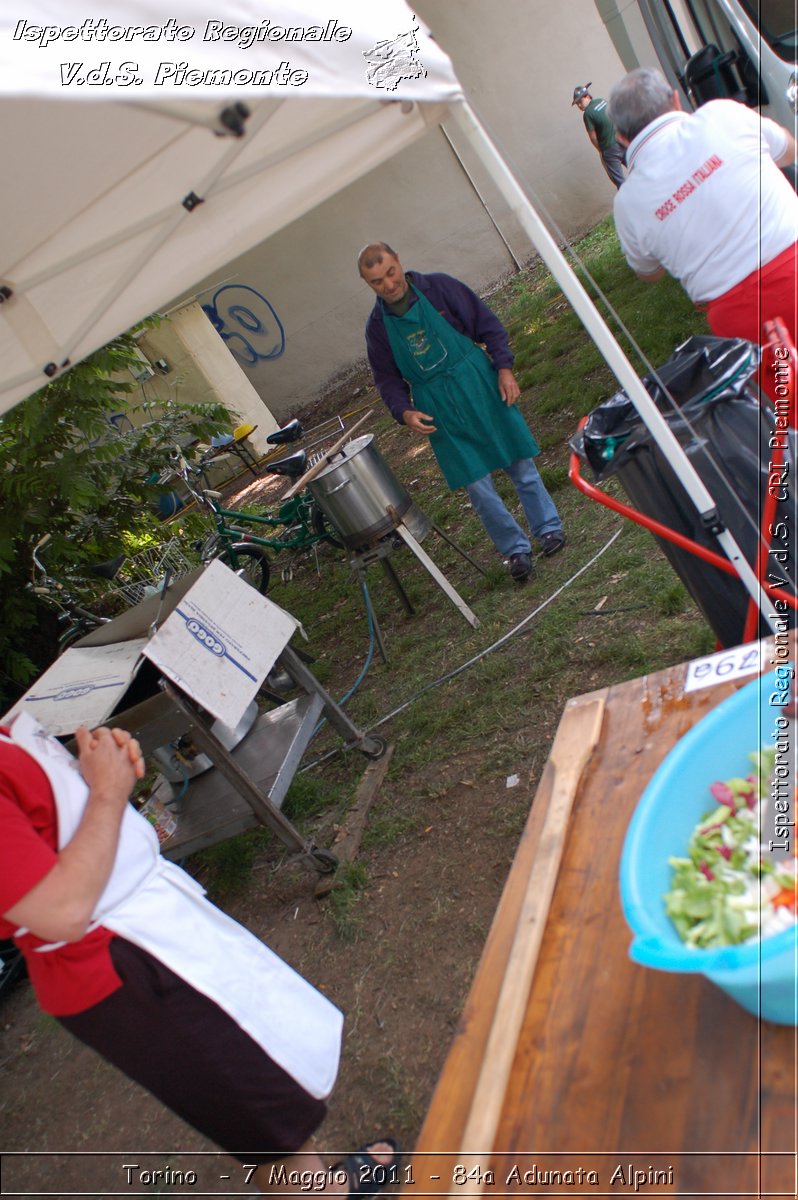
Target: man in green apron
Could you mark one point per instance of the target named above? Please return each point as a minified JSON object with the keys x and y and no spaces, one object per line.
{"x":425,"y":339}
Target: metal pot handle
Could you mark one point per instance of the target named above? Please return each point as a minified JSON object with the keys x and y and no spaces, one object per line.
{"x":338,"y":486}
{"x":324,"y":459}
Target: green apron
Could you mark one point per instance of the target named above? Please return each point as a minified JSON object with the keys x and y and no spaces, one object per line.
{"x":453,"y":380}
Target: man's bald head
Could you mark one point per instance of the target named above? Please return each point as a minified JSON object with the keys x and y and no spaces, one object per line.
{"x":379,"y":266}
{"x":373,"y":254}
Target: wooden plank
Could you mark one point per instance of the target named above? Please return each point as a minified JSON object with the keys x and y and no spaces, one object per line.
{"x":618,"y":1056}
{"x":348,"y":838}
{"x":576,"y":739}
{"x":438,"y":575}
{"x":451,"y":1102}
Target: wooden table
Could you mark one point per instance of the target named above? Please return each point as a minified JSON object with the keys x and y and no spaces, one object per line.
{"x":641,"y":1076}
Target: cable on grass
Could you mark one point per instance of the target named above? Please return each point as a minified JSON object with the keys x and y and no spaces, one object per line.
{"x":502,"y":641}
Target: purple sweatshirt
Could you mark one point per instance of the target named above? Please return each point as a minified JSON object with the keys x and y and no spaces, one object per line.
{"x":464,"y":311}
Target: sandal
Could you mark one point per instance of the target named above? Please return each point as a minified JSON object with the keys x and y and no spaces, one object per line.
{"x":367,"y":1175}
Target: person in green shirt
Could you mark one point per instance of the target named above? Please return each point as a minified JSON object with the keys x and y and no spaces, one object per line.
{"x":601,"y":131}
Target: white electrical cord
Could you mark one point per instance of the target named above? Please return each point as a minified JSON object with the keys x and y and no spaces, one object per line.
{"x":506,"y":637}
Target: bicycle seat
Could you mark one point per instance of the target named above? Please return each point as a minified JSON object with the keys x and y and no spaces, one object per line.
{"x":289,"y":433}
{"x":106,"y":570}
{"x":293,"y":466}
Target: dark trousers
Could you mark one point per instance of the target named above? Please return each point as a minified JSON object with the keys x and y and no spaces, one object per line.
{"x":188,"y":1052}
{"x":612,"y":158}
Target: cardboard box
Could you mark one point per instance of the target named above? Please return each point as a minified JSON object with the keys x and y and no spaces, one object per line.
{"x":217,"y":639}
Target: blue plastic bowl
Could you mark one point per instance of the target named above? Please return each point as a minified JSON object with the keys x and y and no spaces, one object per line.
{"x":761,"y":976}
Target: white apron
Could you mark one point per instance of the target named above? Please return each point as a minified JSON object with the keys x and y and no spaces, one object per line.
{"x":160,"y":908}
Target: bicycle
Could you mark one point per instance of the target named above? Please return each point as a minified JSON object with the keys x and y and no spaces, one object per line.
{"x":301,"y":523}
{"x":74,"y":616}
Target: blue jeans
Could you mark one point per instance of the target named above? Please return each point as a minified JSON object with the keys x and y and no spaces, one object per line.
{"x":504,"y":531}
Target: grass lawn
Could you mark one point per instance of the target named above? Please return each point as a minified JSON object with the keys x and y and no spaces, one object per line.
{"x":625,"y":615}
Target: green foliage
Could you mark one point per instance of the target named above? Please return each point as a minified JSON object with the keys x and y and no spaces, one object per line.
{"x":672,"y":600}
{"x":307,"y":797}
{"x":67,"y":471}
{"x":554,"y":477}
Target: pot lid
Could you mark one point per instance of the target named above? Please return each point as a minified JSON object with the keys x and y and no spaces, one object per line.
{"x":347,"y":452}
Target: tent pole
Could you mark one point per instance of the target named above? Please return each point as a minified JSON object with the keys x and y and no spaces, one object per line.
{"x":614,"y":356}
{"x":482,"y":200}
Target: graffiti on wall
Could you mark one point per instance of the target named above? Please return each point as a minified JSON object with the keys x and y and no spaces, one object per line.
{"x":247,"y":322}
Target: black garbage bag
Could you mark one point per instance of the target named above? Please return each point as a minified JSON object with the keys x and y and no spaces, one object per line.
{"x":726,"y":433}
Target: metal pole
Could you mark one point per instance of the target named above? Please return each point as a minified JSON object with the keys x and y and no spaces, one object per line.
{"x":441,"y":580}
{"x":482,"y":200}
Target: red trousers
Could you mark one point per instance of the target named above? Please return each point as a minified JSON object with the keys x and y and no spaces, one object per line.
{"x":766,"y":293}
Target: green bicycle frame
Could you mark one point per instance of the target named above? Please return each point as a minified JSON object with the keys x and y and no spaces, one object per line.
{"x":295,"y":518}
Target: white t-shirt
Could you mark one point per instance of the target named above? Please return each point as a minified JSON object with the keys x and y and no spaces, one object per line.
{"x":704,"y":199}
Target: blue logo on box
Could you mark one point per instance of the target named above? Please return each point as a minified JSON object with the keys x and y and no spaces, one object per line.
{"x":205,"y":638}
{"x":211,"y":642}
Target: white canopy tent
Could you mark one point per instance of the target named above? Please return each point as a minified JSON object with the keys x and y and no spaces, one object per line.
{"x":98,"y":229}
{"x":131,"y":171}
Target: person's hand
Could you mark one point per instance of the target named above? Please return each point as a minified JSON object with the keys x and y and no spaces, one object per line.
{"x":419,"y":422}
{"x":110,"y":761}
{"x":61,"y":906}
{"x":508,"y":386}
{"x":123,"y":738}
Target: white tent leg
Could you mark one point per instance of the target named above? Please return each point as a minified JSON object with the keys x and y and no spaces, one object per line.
{"x":441,"y":580}
{"x":617,"y":361}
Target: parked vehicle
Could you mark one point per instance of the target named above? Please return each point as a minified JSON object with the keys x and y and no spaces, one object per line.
{"x":242,"y":539}
{"x":745,"y":50}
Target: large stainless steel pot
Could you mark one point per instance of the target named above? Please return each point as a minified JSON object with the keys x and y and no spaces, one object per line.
{"x":359,"y":494}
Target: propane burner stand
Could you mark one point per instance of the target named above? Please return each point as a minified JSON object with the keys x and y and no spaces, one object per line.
{"x":374,"y":514}
{"x":381,"y":553}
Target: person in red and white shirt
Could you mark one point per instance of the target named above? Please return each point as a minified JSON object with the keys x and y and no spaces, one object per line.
{"x":705,"y":201}
{"x":124,"y":949}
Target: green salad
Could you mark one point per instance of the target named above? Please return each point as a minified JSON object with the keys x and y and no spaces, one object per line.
{"x":723,"y":892}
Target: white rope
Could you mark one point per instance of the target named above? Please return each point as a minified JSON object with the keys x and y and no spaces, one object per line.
{"x":506,"y":637}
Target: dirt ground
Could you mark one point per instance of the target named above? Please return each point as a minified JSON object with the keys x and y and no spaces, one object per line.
{"x":400,"y":964}
{"x":69,"y":1122}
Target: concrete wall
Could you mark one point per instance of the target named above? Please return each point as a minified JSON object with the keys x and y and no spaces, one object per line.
{"x":518,"y":61}
{"x":627,"y":29}
{"x":202,"y":371}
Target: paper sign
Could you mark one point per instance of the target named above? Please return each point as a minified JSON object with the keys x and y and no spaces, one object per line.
{"x":726,"y":665}
{"x":82,"y":687}
{"x":220,"y":642}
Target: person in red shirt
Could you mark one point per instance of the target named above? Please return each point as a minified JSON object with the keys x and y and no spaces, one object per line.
{"x":84,"y":893}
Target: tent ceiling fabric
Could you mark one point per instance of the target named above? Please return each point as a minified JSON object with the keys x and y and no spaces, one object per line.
{"x":98,"y":229}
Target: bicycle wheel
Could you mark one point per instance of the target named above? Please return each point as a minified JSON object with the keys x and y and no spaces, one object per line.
{"x":323,"y":527}
{"x":73,"y":634}
{"x":251,"y":563}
